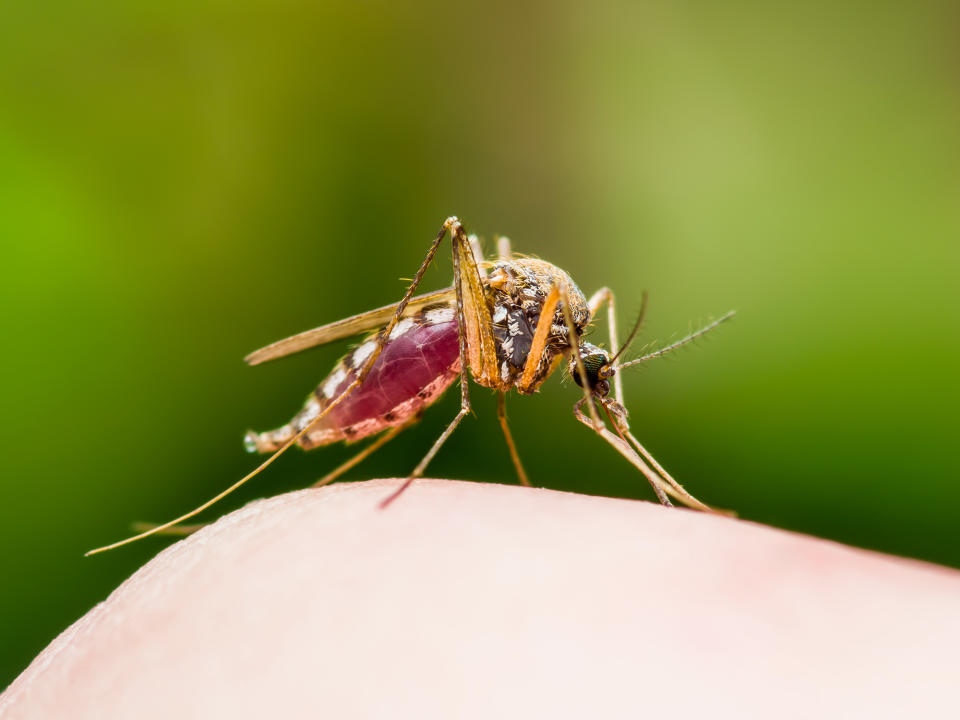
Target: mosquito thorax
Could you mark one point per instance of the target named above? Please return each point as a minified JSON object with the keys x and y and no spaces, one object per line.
{"x":516,"y":292}
{"x":596,"y":361}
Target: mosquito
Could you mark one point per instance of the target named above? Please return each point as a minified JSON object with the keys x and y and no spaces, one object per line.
{"x":508,"y":323}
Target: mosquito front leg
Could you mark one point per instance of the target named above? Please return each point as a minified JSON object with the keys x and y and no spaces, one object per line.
{"x":514,"y":456}
{"x":539,"y":342}
{"x":618,"y":416}
{"x":596,"y":301}
{"x":622,"y":447}
{"x":575,"y":348}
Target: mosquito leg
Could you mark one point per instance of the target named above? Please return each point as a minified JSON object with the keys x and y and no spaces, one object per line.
{"x":362,"y":455}
{"x":575,"y":348}
{"x":502,"y":415}
{"x":618,"y":417}
{"x":422,"y":465}
{"x":622,"y":447}
{"x":451,"y":224}
{"x":596,"y":301}
{"x":688,"y":499}
{"x":475,"y":336}
{"x":475,"y":327}
{"x":541,"y":333}
{"x":179,"y":530}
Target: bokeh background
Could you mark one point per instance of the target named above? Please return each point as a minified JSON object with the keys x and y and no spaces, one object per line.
{"x":184,"y":182}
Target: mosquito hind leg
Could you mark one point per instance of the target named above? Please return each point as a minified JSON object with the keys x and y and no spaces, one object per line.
{"x":179,"y":530}
{"x":451,"y":225}
{"x":502,"y":415}
{"x":422,"y":465}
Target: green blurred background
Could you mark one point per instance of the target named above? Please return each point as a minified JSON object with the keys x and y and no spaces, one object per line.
{"x":185,"y":182}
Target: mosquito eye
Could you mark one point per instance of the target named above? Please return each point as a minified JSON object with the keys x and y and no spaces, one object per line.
{"x":594,"y":361}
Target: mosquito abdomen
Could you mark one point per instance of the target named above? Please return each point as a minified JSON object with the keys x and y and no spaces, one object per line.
{"x":420,"y":360}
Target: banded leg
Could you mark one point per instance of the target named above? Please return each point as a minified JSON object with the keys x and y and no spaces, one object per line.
{"x":363,"y":454}
{"x":461,"y":247}
{"x":502,"y":415}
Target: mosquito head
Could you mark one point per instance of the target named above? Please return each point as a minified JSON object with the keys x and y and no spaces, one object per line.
{"x":596,"y":361}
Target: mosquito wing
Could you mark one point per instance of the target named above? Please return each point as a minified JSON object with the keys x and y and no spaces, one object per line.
{"x":348,"y":327}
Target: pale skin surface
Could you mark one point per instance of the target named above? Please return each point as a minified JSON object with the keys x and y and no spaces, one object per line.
{"x":489,"y":601}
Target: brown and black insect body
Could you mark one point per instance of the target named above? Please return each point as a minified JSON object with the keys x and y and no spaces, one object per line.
{"x":508,"y":324}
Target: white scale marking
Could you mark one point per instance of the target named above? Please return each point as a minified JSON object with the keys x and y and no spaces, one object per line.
{"x":402,"y":327}
{"x":499,"y":314}
{"x":333,"y":382}
{"x":361,"y":354}
{"x":438,"y":316}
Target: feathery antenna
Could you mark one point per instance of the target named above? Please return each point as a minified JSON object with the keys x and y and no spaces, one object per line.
{"x":679,"y":343}
{"x":633,"y":333}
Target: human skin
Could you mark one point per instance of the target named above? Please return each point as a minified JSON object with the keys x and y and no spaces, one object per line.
{"x":465,"y":600}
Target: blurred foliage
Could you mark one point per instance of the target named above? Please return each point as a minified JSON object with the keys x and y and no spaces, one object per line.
{"x":184,"y":182}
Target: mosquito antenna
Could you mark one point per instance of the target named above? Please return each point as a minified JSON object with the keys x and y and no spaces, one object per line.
{"x":679,"y":343}
{"x":633,"y":333}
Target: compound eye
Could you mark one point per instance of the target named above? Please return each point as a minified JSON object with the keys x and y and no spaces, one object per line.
{"x":594,"y":361}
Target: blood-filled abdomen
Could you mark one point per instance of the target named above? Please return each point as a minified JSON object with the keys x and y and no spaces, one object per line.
{"x":420,"y":360}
